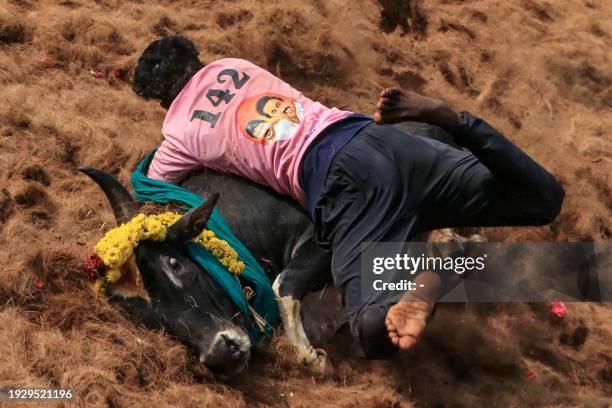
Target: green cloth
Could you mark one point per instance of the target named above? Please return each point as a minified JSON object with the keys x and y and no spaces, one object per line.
{"x":264,"y":302}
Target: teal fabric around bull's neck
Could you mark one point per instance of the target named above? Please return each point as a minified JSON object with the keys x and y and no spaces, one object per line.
{"x":264,"y":302}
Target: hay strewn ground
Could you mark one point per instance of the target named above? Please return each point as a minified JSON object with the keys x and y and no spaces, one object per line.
{"x":539,"y":71}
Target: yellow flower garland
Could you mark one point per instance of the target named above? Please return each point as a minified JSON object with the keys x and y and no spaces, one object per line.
{"x":118,"y":244}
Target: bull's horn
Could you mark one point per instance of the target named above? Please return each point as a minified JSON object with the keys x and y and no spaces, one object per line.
{"x":192,"y":223}
{"x":124,"y":206}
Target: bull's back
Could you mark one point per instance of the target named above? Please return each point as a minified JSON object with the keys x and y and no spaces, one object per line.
{"x":269,"y":224}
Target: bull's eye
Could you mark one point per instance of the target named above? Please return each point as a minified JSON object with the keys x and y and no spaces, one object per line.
{"x":156,"y":67}
{"x":173,"y":262}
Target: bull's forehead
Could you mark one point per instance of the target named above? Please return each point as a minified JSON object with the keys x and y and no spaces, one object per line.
{"x":173,"y":278}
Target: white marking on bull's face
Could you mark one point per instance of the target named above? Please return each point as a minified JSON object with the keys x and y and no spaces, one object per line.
{"x":173,"y":279}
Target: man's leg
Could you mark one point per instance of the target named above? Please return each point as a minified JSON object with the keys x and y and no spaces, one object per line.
{"x":368,"y":199}
{"x":381,"y":325}
{"x":372,"y":194}
{"x":499,"y":185}
{"x":503,"y":186}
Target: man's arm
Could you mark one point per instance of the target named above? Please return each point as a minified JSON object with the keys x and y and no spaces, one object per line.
{"x":171,"y":164}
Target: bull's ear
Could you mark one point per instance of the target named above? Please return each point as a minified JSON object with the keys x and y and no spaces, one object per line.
{"x":191,"y":224}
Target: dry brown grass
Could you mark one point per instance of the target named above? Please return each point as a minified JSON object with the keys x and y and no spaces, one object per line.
{"x":539,"y":71}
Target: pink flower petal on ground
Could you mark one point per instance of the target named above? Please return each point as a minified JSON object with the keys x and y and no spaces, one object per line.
{"x":558,"y":309}
{"x":118,"y":74}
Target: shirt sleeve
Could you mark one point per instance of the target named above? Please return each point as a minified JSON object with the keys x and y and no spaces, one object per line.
{"x":170,"y":164}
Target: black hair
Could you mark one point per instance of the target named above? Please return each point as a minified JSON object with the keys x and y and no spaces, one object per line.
{"x":250,"y":127}
{"x":261,"y":104}
{"x":164,"y":68}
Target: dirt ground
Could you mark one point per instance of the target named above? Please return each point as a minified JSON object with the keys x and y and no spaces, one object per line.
{"x":539,"y":71}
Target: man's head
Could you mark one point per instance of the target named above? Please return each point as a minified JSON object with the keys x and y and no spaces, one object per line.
{"x":261,"y":130}
{"x":164,"y":68}
{"x":277,"y":108}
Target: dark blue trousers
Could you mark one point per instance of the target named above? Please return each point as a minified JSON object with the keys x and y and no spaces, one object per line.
{"x":389,"y":184}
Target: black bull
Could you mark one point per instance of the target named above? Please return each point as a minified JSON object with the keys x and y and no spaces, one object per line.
{"x":188,"y":303}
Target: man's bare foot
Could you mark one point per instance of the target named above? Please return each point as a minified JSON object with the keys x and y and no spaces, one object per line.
{"x":398,"y":105}
{"x":406,"y":321}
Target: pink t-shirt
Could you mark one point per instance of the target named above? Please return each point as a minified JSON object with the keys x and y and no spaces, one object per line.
{"x":236,"y":117}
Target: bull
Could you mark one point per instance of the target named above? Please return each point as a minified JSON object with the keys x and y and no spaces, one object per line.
{"x":188,"y":303}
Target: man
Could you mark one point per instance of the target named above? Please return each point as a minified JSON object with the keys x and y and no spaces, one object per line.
{"x":362,"y":180}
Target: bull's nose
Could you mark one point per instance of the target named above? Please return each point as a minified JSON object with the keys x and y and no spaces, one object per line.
{"x":232,"y":346}
{"x":229,"y":353}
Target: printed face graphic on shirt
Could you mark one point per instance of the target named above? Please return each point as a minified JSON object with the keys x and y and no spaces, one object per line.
{"x":269,"y":118}
{"x":261,"y":130}
{"x":273,"y":107}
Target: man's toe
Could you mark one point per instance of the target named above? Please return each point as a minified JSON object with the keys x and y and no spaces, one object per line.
{"x":407,"y":342}
{"x":386,"y":92}
{"x":377,"y":117}
{"x":383,"y":103}
{"x":391,"y":92}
